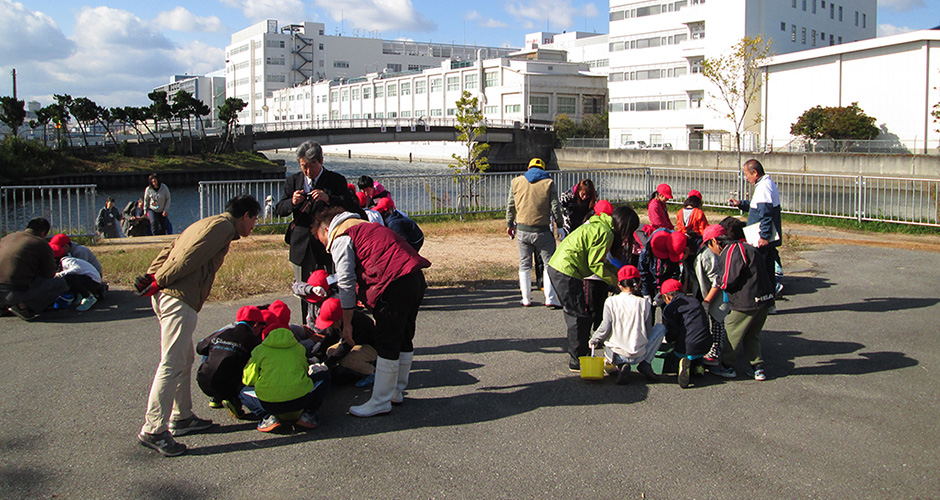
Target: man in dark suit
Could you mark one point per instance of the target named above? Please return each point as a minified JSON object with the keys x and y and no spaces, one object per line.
{"x":306,"y":193}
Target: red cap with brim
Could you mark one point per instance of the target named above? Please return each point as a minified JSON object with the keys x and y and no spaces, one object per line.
{"x":696,"y":193}
{"x":603,"y":207}
{"x":330,"y":312}
{"x":250,"y":314}
{"x":281,"y":310}
{"x":363,"y":199}
{"x":384,"y":205}
{"x":318,"y":279}
{"x":670,"y":286}
{"x":627,"y":272}
{"x":664,"y":190}
{"x":713,"y":231}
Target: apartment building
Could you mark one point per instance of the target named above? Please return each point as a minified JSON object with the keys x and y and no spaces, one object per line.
{"x":263,"y":59}
{"x":656,"y":47}
{"x":210,"y":89}
{"x":527,"y":87}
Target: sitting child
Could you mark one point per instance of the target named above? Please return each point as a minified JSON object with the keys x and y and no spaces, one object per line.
{"x":83,"y":279}
{"x":226,"y":353}
{"x":276,"y":381}
{"x":341,"y":358}
{"x":627,"y":331}
{"x":686,"y":326}
{"x":65,"y":246}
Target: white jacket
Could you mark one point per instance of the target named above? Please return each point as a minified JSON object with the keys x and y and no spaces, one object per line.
{"x":626,"y":326}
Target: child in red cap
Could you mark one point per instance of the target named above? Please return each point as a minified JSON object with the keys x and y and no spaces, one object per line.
{"x":656,"y":208}
{"x":225,"y":354}
{"x":627,"y":332}
{"x":660,"y":260}
{"x":343,"y":360}
{"x":686,"y":326}
{"x":690,"y":217}
{"x":705,"y":269}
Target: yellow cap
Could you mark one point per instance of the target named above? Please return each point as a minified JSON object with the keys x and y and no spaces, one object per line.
{"x":536,"y":162}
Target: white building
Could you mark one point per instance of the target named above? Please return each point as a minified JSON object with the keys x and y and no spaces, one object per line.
{"x":262,"y":59}
{"x":589,"y":48}
{"x":528,"y":87}
{"x":894,"y":79}
{"x":656,"y":91}
{"x":210,"y":89}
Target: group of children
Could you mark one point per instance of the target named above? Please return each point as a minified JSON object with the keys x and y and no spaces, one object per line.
{"x":379,"y":207}
{"x":712,"y":288}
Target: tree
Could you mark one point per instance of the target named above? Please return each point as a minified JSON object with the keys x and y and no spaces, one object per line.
{"x":201,"y":109}
{"x":564,"y":126}
{"x":106,"y":119}
{"x":161,"y":110}
{"x":835,"y":123}
{"x":738,"y":81}
{"x":43,"y":117}
{"x":228,"y":113}
{"x":61,"y":117}
{"x":85,"y":112}
{"x":12,"y":113}
{"x":593,"y":126}
{"x":471,"y":126}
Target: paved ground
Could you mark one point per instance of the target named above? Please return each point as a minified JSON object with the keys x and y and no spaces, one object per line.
{"x":850,"y":409}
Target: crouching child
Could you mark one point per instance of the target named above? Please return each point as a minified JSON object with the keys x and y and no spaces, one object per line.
{"x":226,"y":352}
{"x":333,"y":353}
{"x":626,"y":331}
{"x":276,"y":381}
{"x":686,"y":326}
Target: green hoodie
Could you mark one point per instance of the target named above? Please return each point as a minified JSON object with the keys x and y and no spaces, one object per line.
{"x":583,"y":252}
{"x":278,"y":368}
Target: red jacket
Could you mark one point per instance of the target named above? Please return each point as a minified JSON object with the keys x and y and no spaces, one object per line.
{"x":382,"y":256}
{"x":659,"y":217}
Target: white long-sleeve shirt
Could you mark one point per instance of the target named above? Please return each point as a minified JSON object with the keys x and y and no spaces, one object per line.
{"x":626,"y":326}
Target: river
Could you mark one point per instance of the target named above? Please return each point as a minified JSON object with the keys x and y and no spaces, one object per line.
{"x":184,"y":200}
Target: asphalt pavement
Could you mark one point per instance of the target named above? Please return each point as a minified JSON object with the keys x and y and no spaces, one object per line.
{"x":850,"y":409}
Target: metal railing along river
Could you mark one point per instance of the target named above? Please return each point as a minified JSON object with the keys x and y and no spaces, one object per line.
{"x":71,"y":209}
{"x":897,"y":200}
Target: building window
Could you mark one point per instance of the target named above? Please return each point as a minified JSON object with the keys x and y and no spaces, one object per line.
{"x":366,"y":92}
{"x":813,"y":38}
{"x":492,"y":79}
{"x":567,"y":105}
{"x":830,"y":39}
{"x":379,"y":91}
{"x":864,"y":20}
{"x":470,"y":80}
{"x":840,"y":13}
{"x":832,"y":11}
{"x":406,"y":114}
{"x":840,"y":40}
{"x":334,"y":96}
{"x":539,"y":105}
{"x":792,"y":32}
{"x":814,"y":6}
{"x":321,"y":46}
{"x":345,"y":95}
{"x":405,"y":88}
{"x":394,"y":68}
{"x":783,"y":26}
{"x":804,"y":35}
{"x":453,"y":83}
{"x":451,"y":111}
{"x":794,"y":4}
{"x":421,"y":87}
{"x":340,"y":64}
{"x":804,"y":5}
{"x":392,"y":90}
{"x":856,"y":18}
{"x":436,"y":112}
{"x":355,"y":94}
{"x":512,"y":108}
{"x":490,"y":110}
{"x":276,"y":78}
{"x":435,"y":85}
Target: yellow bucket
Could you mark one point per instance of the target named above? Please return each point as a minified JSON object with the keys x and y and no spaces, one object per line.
{"x":592,"y":368}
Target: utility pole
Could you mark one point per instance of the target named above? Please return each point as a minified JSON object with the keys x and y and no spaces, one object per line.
{"x":14,"y":83}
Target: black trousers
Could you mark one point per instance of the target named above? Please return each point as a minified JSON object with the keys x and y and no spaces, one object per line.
{"x":396,"y":315}
{"x":574,"y":304}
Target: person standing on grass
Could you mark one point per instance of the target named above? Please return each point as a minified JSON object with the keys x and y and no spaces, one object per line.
{"x":178,"y":283}
{"x":157,"y":204}
{"x":305,"y":194}
{"x":763,"y":208}
{"x":532,"y":204}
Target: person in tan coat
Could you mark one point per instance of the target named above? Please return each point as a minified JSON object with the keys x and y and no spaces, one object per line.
{"x":178,"y":282}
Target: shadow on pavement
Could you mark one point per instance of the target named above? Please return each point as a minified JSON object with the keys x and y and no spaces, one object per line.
{"x":492,"y":295}
{"x":784,"y":347}
{"x":545,"y":345}
{"x":118,"y":305}
{"x":873,"y":304}
{"x":800,"y":285}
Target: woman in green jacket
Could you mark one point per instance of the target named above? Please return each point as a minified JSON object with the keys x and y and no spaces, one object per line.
{"x":582,"y":254}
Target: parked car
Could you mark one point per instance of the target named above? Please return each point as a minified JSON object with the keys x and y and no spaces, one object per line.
{"x":633,"y":145}
{"x":664,"y":146}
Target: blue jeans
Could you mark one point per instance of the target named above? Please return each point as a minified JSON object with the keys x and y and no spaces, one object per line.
{"x":309,"y":402}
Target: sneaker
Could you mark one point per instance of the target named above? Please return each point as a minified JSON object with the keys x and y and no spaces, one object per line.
{"x":308,"y":421}
{"x":623,"y":374}
{"x":525,"y":304}
{"x":238,"y":413}
{"x":710,"y":360}
{"x":574,"y":366}
{"x":24,"y":313}
{"x":215,"y":403}
{"x":722,"y":371}
{"x":647,"y":370}
{"x":684,"y":365}
{"x":759,"y":374}
{"x":772,"y":310}
{"x":269,"y":424}
{"x":163,"y":443}
{"x":86,"y":303}
{"x":778,"y":290}
{"x":187,"y":425}
{"x":553,"y":307}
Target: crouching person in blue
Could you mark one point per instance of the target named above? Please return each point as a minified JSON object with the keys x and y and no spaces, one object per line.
{"x":276,"y":381}
{"x":686,"y":325}
{"x":226,"y":353}
{"x":387,"y":272}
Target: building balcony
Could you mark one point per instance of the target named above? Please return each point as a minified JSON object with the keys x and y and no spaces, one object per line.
{"x":692,"y":13}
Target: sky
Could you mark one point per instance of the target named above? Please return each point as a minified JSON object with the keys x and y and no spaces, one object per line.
{"x":115,"y":52}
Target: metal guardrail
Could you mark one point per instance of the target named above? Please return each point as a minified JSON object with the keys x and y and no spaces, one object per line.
{"x":896,"y":200}
{"x":388,"y":123}
{"x":70,"y":209}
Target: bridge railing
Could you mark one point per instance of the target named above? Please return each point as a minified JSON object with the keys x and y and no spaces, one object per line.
{"x":396,"y":124}
{"x":897,"y":200}
{"x":70,"y":209}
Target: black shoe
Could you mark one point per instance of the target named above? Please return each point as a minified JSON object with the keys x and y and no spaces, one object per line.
{"x":191,"y":424}
{"x":24,"y":313}
{"x":684,"y":366}
{"x":163,"y":443}
{"x":647,"y":370}
{"x":623,"y":374}
{"x":574,"y":366}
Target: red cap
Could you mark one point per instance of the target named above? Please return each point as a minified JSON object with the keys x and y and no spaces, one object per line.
{"x":627,"y":272}
{"x":677,"y":243}
{"x":250,"y":314}
{"x":269,"y":317}
{"x":330,"y":312}
{"x":317,"y":279}
{"x":281,"y":310}
{"x":670,"y":286}
{"x":271,"y":327}
{"x":666,"y":245}
{"x":713,"y":231}
{"x":696,"y":193}
{"x":664,"y":190}
{"x":363,"y":199}
{"x":60,"y":245}
{"x":351,"y":186}
{"x":603,"y":207}
{"x":384,"y":205}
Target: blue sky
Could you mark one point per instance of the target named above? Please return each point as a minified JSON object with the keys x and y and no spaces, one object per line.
{"x":114,"y":52}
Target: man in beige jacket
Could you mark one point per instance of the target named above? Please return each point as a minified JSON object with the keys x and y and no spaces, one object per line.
{"x":179,"y":281}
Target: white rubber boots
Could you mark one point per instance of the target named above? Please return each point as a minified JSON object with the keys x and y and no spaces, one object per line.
{"x":391,"y":378}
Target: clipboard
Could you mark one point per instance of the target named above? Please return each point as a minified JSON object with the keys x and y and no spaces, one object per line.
{"x":752,"y":234}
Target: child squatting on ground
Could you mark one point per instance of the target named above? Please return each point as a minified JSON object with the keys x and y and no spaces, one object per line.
{"x":686,"y":327}
{"x":627,"y":331}
{"x":226,"y":352}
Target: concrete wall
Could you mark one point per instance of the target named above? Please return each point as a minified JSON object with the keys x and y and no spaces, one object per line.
{"x":914,"y":166}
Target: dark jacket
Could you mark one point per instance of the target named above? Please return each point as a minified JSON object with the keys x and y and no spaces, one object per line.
{"x":687,"y":325}
{"x":406,"y":228}
{"x":23,"y":257}
{"x":742,"y":273}
{"x":302,"y":245}
{"x":107,"y":222}
{"x":228,"y":350}
{"x":654,"y":271}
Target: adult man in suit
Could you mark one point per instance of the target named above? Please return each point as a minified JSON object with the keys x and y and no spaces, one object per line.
{"x":306,"y":193}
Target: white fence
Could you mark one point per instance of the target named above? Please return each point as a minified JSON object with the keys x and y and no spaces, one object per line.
{"x":70,"y":209}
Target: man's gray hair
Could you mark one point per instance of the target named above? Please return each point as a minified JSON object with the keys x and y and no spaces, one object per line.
{"x":310,"y":150}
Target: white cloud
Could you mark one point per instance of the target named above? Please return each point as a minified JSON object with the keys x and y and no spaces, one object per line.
{"x":290,"y":11}
{"x":472,"y":15}
{"x":180,"y":19}
{"x":555,"y":14}
{"x":493,"y":23}
{"x":901,"y":5}
{"x":380,"y":15}
{"x":115,"y":29}
{"x":29,"y":36}
{"x":890,"y":29}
